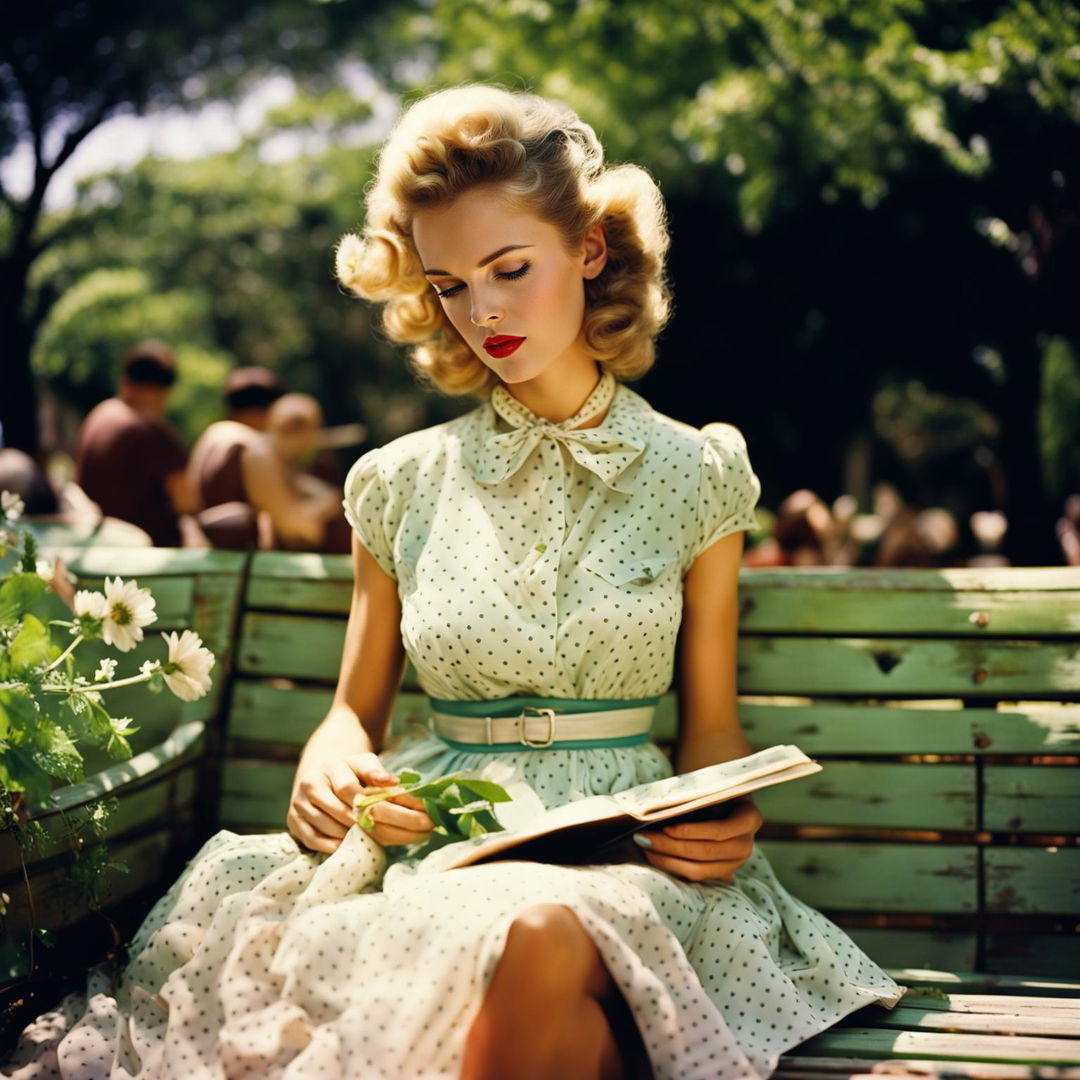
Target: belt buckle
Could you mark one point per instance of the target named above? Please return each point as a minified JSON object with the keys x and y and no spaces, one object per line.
{"x":524,"y":739}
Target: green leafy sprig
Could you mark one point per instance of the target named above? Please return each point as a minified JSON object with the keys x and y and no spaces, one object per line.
{"x":461,"y":805}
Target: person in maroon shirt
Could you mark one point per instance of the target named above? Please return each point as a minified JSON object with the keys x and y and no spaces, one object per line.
{"x":130,"y":459}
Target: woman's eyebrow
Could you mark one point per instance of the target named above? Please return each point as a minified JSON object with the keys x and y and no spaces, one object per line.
{"x":484,"y":261}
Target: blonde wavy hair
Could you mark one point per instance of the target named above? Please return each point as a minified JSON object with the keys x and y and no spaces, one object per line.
{"x":548,"y":162}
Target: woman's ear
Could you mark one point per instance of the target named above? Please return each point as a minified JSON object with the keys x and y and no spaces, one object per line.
{"x":596,"y":251}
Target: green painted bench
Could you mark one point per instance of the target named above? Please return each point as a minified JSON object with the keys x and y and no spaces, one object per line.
{"x":943,"y":832}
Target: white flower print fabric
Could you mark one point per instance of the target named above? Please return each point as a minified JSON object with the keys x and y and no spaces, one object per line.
{"x":531,"y":559}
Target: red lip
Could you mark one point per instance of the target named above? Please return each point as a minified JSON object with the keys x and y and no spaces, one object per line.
{"x":502,"y":345}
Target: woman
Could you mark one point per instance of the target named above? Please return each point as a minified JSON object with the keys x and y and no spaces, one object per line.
{"x":542,"y":551}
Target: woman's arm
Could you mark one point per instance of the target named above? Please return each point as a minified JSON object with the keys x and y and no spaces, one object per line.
{"x":709,"y":730}
{"x":340,"y":757}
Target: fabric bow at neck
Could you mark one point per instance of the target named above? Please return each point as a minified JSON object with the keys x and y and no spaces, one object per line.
{"x":606,"y":450}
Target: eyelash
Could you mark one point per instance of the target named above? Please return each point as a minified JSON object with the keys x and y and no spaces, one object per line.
{"x":455,"y":289}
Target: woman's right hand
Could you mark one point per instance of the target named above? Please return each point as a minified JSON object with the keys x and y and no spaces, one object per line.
{"x":321,"y":808}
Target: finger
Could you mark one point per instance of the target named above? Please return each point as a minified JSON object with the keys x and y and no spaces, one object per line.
{"x":746,"y":820}
{"x":327,"y":802}
{"x":738,"y":847}
{"x":695,"y":871}
{"x":390,"y":836}
{"x":408,"y":800}
{"x":318,"y":818}
{"x":371,"y":771}
{"x":310,"y":838}
{"x":401,"y":817}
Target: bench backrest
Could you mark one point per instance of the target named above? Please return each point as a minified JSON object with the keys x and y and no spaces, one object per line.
{"x":944,"y":705}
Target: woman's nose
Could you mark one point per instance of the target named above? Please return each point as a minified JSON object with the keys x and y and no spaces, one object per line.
{"x":485,"y":311}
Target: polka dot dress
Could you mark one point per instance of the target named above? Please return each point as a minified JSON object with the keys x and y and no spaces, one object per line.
{"x":531,"y":559}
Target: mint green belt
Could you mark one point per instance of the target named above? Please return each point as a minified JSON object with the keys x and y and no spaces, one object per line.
{"x":539,"y":723}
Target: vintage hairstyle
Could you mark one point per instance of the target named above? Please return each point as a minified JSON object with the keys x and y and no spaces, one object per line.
{"x":548,"y":162}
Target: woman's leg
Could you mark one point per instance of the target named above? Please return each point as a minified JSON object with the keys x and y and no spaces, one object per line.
{"x":552,"y":1008}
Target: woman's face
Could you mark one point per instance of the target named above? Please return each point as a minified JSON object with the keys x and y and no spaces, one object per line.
{"x":504,"y":274}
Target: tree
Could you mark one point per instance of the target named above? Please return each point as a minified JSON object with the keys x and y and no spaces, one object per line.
{"x":882,"y":189}
{"x":66,"y":66}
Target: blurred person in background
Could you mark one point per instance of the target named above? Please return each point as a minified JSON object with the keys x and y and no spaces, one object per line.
{"x":1068,"y":531}
{"x":266,"y":501}
{"x":130,"y":459}
{"x":215,"y":470}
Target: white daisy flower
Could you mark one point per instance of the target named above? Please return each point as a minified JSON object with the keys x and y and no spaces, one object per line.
{"x":128,"y":610}
{"x":187,"y":671}
{"x":89,"y":604}
{"x":106,"y":670}
{"x":11,"y":505}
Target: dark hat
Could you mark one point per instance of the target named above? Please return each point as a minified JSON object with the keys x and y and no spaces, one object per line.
{"x":253,"y":388}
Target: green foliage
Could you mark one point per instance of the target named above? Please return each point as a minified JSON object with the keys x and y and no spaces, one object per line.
{"x":461,"y":805}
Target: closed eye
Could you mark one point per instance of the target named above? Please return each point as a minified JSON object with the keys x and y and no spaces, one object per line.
{"x":512,"y":274}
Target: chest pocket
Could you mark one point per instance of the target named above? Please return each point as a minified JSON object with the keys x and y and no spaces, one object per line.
{"x":627,"y":569}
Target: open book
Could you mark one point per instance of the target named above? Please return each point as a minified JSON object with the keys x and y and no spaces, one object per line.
{"x":589,"y":829}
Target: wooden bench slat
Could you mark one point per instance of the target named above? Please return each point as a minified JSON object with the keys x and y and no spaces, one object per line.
{"x":798,"y":603}
{"x":896,"y":728}
{"x":881,"y":1043}
{"x":291,"y":645}
{"x":1029,"y":1022}
{"x":981,"y":982}
{"x":1033,"y":880}
{"x":894,"y":666}
{"x":794,"y":1066}
{"x":890,"y":877}
{"x":898,"y":947}
{"x":1031,"y":798}
{"x":1052,"y":954}
{"x":881,"y":795}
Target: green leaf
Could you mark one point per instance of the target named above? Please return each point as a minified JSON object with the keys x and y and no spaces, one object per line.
{"x":408,"y":776}
{"x":56,"y":754}
{"x":485,"y":789}
{"x":32,"y":645}
{"x":17,"y":595}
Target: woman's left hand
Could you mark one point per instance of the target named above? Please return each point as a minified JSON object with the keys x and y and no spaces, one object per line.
{"x":704,"y":850}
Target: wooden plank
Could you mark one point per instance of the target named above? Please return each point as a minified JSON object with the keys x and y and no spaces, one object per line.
{"x":977,"y":579}
{"x":797,"y":1066}
{"x":1051,"y":954}
{"x":995,"y":1004}
{"x":286,"y":594}
{"x":930,"y":727}
{"x":859,"y":602}
{"x":1028,"y":1022}
{"x":159,"y":801}
{"x":872,"y":794}
{"x":878,"y":877}
{"x":255,"y":793}
{"x":892,"y":667}
{"x":1032,"y":798}
{"x":876,"y":1043}
{"x":900,"y":947}
{"x":301,"y":566}
{"x":291,"y":645}
{"x":55,"y":905}
{"x":1032,"y":880}
{"x":155,"y":562}
{"x":952,"y":982}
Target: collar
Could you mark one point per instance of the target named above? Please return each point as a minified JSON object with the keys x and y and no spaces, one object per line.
{"x":608,"y":449}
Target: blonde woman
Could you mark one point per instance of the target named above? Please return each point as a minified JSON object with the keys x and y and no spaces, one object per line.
{"x":536,"y":559}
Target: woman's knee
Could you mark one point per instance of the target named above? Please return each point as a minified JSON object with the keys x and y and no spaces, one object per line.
{"x":548,"y":944}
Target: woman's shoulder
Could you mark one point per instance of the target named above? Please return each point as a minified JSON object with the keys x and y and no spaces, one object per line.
{"x":425,"y":449}
{"x":667,"y":434}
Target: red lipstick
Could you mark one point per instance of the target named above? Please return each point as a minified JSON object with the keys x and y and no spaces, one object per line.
{"x":502,"y":345}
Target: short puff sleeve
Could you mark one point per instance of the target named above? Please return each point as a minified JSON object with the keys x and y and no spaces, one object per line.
{"x":366,"y":501}
{"x":729,"y":488}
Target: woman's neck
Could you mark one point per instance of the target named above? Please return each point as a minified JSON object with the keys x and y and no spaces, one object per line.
{"x":556,"y":396}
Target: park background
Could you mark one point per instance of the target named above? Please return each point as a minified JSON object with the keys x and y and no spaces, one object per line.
{"x":874,"y":212}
